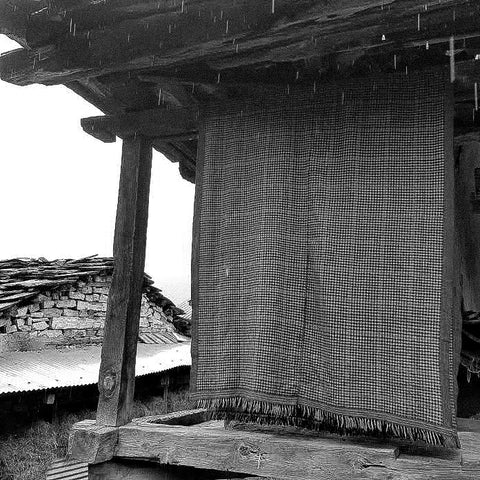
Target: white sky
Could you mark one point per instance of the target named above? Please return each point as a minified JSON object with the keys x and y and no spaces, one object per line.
{"x":59,"y":186}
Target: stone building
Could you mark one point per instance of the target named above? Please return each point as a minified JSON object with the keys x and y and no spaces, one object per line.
{"x":63,"y":302}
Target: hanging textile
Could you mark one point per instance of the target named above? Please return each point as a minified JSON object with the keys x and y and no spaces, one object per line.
{"x":323,"y":260}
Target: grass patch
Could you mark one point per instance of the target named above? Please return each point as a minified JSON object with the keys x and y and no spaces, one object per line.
{"x":27,"y":454}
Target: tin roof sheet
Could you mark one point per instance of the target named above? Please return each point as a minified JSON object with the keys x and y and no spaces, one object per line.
{"x":66,"y":469}
{"x":75,"y":366}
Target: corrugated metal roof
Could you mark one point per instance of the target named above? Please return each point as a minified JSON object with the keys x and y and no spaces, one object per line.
{"x":187,"y":309}
{"x":159,"y":338}
{"x":47,"y":369}
{"x":66,"y":469}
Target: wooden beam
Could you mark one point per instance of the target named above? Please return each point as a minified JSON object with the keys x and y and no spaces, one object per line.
{"x":177,"y":123}
{"x":187,"y":439}
{"x":128,"y":470}
{"x":287,"y":455}
{"x":184,"y":153}
{"x":117,"y":368}
{"x":95,"y":39}
{"x":92,"y":444}
{"x":185,"y":418}
{"x":98,"y":94}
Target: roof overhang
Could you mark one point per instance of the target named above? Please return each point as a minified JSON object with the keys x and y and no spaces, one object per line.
{"x":128,"y":56}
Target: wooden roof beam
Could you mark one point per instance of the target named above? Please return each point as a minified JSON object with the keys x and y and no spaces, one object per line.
{"x":162,"y":124}
{"x":200,"y":34}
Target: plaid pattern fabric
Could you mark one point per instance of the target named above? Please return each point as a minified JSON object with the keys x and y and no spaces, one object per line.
{"x":322,"y":273}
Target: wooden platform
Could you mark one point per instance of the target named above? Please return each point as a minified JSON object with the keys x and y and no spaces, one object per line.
{"x":185,"y":439}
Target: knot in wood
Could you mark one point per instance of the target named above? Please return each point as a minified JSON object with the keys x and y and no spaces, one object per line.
{"x":251,"y":451}
{"x":109,"y":382}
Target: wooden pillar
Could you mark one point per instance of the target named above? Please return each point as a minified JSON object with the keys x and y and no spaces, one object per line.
{"x":117,"y":369}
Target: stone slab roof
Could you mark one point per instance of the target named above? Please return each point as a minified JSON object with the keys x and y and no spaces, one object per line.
{"x":21,"y":279}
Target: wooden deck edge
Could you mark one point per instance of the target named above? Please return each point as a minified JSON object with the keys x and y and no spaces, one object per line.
{"x":163,"y":439}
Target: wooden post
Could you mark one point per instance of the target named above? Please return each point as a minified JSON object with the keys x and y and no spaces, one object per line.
{"x":117,"y":369}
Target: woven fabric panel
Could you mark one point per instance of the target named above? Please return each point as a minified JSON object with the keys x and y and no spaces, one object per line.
{"x":323,"y":272}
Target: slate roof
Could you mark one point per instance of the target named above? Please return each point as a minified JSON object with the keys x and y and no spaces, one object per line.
{"x":21,"y":279}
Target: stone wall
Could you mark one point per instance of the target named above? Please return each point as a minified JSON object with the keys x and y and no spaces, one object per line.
{"x":69,"y":315}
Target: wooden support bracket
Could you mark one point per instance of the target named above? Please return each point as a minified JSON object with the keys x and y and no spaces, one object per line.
{"x":172,"y":124}
{"x":117,"y":368}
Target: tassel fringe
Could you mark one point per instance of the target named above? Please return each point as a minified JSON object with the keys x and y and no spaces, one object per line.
{"x":266,"y":413}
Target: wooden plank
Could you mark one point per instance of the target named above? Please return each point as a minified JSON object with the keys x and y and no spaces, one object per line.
{"x":94,"y":39}
{"x":131,"y":471}
{"x":154,"y":123}
{"x":468,"y":425}
{"x":90,"y":443}
{"x":287,"y":455}
{"x":185,"y":418}
{"x":117,"y":368}
{"x":251,"y":453}
{"x":134,"y":470}
{"x":470,"y":451}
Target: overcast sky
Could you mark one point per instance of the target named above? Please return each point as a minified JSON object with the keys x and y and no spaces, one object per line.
{"x":59,"y":187}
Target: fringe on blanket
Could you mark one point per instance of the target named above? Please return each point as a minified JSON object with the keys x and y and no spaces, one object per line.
{"x":266,"y":413}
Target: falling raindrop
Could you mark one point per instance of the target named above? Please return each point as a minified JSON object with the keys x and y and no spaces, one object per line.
{"x":418,"y":22}
{"x":273,"y":6}
{"x":452,"y":58}
{"x":427,"y":46}
{"x":218,"y":77}
{"x":475,"y":86}
{"x":226,"y":27}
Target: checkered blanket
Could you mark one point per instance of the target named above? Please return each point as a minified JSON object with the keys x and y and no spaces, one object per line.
{"x":323,"y":260}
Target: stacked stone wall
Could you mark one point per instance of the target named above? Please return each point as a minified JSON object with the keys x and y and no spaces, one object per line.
{"x":70,"y":315}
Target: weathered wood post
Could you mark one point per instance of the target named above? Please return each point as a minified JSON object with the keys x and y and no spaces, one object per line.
{"x":117,"y":369}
